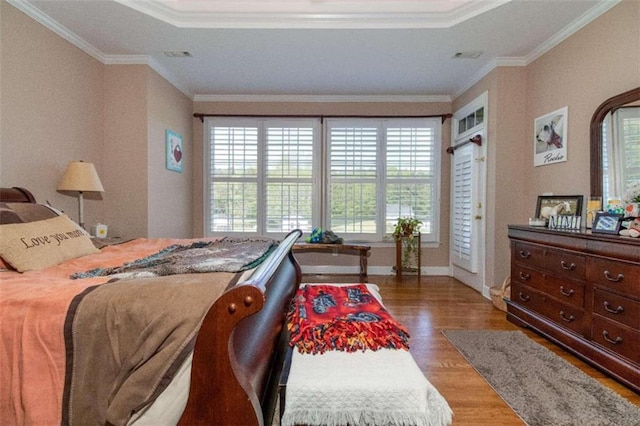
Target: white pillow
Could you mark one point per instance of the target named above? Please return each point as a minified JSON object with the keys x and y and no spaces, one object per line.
{"x":44,"y":243}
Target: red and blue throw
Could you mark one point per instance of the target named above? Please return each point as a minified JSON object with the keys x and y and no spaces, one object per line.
{"x":342,"y":318}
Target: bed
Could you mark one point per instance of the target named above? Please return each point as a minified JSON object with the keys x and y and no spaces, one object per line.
{"x":224,"y":370}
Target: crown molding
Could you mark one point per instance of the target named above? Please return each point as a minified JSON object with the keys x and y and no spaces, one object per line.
{"x":571,"y":29}
{"x":323,"y":98}
{"x":384,"y":16}
{"x":86,"y":47}
{"x":152,"y":63}
{"x":600,"y":8}
{"x":163,"y":72}
{"x":54,"y":26}
{"x":558,"y":38}
{"x":490,"y":66}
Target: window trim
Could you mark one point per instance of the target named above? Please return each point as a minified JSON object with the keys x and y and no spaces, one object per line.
{"x":321,"y":209}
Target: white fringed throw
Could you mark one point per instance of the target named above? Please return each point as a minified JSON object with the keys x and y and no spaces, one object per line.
{"x":383,"y":387}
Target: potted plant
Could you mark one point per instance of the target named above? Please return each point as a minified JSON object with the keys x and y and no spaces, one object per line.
{"x":404,"y":232}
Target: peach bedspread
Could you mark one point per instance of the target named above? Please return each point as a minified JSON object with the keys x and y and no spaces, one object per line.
{"x":33,"y":308}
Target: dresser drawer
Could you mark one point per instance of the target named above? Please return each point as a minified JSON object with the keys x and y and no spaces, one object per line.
{"x":567,"y":316}
{"x":565,"y":290}
{"x":616,"y":337}
{"x":619,"y":276}
{"x":528,"y":254}
{"x":566,"y":264}
{"x":617,"y":308}
{"x":528,"y":276}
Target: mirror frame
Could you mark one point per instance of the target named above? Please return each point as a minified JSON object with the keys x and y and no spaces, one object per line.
{"x":607,"y":106}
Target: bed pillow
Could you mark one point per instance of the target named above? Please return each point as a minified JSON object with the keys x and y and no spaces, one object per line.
{"x":44,"y":243}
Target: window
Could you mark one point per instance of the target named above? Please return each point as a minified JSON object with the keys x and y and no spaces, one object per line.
{"x":265,"y":176}
{"x":470,"y":121}
{"x":380,"y":170}
{"x":621,"y":151}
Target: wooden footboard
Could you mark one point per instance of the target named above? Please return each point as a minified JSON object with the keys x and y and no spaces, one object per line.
{"x":240,"y":347}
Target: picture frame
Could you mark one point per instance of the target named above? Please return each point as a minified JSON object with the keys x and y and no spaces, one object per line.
{"x":567,"y":205}
{"x":550,"y":138}
{"x":174,"y":151}
{"x":607,"y":223}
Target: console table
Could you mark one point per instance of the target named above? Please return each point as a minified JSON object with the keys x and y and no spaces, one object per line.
{"x":581,"y":291}
{"x":330,"y":248}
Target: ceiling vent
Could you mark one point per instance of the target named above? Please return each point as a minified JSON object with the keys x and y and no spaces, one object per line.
{"x":468,"y":55}
{"x":177,"y":54}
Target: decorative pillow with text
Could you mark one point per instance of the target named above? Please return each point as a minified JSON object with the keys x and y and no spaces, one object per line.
{"x":44,"y":243}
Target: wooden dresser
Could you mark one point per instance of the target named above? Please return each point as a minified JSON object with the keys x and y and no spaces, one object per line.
{"x":581,"y":291}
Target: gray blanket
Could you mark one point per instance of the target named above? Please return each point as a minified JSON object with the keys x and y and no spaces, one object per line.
{"x":226,"y":255}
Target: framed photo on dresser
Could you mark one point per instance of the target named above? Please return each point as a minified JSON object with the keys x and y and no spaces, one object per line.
{"x":607,"y":223}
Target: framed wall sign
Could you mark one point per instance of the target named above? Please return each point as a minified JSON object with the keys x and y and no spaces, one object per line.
{"x":607,"y":223}
{"x":174,"y":153}
{"x":550,"y":138}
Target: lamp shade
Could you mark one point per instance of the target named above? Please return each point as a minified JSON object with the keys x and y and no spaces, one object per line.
{"x":80,"y":176}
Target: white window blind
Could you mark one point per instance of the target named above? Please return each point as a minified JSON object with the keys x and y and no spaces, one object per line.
{"x":621,"y":151}
{"x":629,"y":136}
{"x":267,"y":176}
{"x":380,"y":170}
{"x":260,"y":175}
{"x":233,"y":183}
{"x":353,"y":171}
{"x":411,"y":175}
{"x":289,"y":177}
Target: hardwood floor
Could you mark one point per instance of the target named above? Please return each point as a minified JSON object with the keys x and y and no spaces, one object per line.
{"x":440,"y":303}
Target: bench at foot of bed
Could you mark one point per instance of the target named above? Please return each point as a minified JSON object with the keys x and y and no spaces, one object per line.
{"x":382,"y":387}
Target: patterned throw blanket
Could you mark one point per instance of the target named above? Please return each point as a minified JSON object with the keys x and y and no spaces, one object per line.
{"x":226,"y":255}
{"x":347,"y":318}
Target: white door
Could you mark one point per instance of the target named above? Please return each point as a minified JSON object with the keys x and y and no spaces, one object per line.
{"x":468,"y":182}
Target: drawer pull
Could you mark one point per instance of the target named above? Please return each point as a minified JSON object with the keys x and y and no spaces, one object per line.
{"x":525,"y":254}
{"x":618,"y":310}
{"x":606,"y":337}
{"x":524,"y":276}
{"x":523,"y":297}
{"x":565,"y":319}
{"x":566,"y":293}
{"x":617,"y":279}
{"x":566,"y":267}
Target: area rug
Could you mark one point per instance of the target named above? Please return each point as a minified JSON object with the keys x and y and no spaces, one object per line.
{"x":541,"y":387}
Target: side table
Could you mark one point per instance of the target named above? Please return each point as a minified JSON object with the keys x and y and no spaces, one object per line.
{"x":329,"y":248}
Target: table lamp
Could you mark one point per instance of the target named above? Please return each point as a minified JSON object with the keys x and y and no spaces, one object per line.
{"x":80,"y":177}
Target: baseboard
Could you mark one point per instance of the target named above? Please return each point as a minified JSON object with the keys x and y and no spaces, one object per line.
{"x":371,"y":270}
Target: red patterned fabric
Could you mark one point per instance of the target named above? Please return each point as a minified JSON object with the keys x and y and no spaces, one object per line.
{"x":343,"y":318}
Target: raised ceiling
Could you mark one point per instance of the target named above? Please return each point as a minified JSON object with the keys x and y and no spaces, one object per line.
{"x":315,"y":49}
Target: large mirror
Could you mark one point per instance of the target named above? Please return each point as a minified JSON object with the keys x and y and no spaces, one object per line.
{"x":615,"y":145}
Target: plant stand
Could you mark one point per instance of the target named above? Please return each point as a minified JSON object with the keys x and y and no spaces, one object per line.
{"x":408,"y":255}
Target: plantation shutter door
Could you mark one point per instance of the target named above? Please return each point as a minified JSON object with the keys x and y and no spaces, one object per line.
{"x":463,"y":253}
